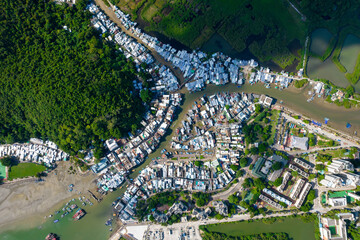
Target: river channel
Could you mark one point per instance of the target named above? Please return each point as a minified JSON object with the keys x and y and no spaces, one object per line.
{"x":92,"y":225}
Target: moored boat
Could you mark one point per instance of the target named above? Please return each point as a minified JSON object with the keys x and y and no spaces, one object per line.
{"x":79,"y":214}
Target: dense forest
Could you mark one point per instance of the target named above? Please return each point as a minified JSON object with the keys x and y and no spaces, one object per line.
{"x":59,"y":80}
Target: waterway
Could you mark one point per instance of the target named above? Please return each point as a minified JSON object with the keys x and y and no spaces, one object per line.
{"x":91,"y":226}
{"x":295,"y":99}
{"x":295,"y":227}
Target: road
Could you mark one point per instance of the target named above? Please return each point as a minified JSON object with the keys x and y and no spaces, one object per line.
{"x":233,"y":189}
{"x":344,"y":142}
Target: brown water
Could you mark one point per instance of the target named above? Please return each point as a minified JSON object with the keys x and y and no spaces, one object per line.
{"x":92,"y":225}
{"x":296,"y":100}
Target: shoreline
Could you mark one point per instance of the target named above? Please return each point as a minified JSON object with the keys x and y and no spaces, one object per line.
{"x":23,"y":204}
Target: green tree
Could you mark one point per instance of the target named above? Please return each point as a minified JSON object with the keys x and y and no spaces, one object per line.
{"x":320,"y":167}
{"x":248,"y":182}
{"x":198,"y":163}
{"x":7,"y":161}
{"x":312,"y":140}
{"x":234,"y":199}
{"x":74,"y":87}
{"x":145,"y":95}
{"x":278,"y":181}
{"x":234,"y":167}
{"x":258,"y":108}
{"x":243,"y":162}
{"x":277,"y":166}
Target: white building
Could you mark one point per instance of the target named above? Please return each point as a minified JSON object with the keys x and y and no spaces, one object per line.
{"x":338,"y":166}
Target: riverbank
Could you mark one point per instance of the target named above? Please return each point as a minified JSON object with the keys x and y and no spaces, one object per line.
{"x":28,"y":201}
{"x":292,"y":98}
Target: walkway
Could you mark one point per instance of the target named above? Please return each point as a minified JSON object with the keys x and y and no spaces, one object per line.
{"x":303,"y":17}
{"x":324,"y":130}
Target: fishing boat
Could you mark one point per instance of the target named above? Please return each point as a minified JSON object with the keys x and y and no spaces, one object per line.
{"x":56,"y":220}
{"x":79,"y":214}
{"x":51,"y":236}
{"x":73,"y":206}
{"x":108,"y":222}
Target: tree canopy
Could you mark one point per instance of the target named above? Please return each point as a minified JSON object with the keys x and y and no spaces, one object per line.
{"x":7,"y":161}
{"x":59,"y":80}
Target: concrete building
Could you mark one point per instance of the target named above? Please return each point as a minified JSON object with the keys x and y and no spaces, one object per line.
{"x":338,"y":201}
{"x":333,"y":229}
{"x":331,"y":181}
{"x":338,"y":166}
{"x":299,"y":142}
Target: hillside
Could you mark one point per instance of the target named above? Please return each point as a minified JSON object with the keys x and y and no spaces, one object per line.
{"x":59,"y":80}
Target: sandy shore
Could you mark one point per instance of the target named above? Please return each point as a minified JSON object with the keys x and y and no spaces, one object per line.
{"x":28,"y":199}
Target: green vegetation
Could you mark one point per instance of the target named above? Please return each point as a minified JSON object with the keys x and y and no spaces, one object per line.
{"x":144,"y":207}
{"x":353,"y":232}
{"x":201,"y":198}
{"x":68,"y":86}
{"x":261,"y":236}
{"x":354,"y":77}
{"x":309,"y":201}
{"x":323,"y":158}
{"x":277,"y":166}
{"x":267,"y":28}
{"x":278,"y":181}
{"x":297,"y":227}
{"x":312,"y":139}
{"x":25,"y":170}
{"x":146,"y":95}
{"x":243,"y":162}
{"x":7,"y":161}
{"x":320,"y":167}
{"x":300,"y":83}
{"x":234,"y":199}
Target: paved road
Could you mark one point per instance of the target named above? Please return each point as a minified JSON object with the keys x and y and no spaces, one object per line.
{"x":345,"y":142}
{"x":233,"y":189}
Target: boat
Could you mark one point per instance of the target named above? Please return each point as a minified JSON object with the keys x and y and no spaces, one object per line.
{"x":73,"y":206}
{"x":62,"y":215}
{"x":56,"y":220}
{"x":50,"y":215}
{"x":79,"y":214}
{"x":108,"y":222}
{"x":51,"y":236}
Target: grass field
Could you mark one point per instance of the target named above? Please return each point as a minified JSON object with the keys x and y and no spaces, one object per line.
{"x":25,"y":170}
